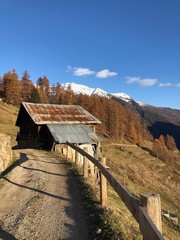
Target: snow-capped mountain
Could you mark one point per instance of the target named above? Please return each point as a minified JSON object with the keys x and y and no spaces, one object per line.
{"x":79,"y":88}
{"x":166,"y":119}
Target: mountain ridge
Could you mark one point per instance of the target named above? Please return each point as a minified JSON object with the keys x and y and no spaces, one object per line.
{"x":80,"y":88}
{"x":160,"y":120}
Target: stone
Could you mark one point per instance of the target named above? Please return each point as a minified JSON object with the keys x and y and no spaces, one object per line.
{"x":5,"y":151}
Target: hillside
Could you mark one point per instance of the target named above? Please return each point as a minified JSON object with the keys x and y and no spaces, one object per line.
{"x":126,"y":119}
{"x":160,"y":120}
{"x":8,"y":115}
{"x":136,"y":169}
{"x":142,"y":173}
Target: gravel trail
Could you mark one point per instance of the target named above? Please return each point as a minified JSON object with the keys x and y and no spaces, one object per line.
{"x":39,"y":200}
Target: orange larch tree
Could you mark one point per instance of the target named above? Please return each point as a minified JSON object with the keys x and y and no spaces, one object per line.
{"x":12,"y":88}
{"x":26,"y":86}
{"x":170,"y":142}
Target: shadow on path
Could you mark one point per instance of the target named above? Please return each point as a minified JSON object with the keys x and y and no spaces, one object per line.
{"x":45,"y":161}
{"x":37,"y":190}
{"x":5,"y":235}
{"x":40,"y":170}
{"x":78,"y":228}
{"x":23,"y":158}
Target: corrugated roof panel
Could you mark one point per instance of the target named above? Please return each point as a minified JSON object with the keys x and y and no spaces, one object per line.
{"x":51,"y":113}
{"x":74,"y":133}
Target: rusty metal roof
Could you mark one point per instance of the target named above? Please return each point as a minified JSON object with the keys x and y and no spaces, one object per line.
{"x":58,"y":114}
{"x":74,"y":133}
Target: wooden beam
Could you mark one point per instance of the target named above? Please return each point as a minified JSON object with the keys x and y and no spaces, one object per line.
{"x":76,"y":157}
{"x":147,"y":227}
{"x":103,"y":185}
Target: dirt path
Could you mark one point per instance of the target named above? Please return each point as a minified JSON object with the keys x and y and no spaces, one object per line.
{"x":40,"y":200}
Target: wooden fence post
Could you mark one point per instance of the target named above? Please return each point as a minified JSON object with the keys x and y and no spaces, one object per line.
{"x":144,"y":213}
{"x":98,"y":151}
{"x":73,"y":156}
{"x":76,"y":157}
{"x":152,"y":205}
{"x":67,"y":152}
{"x":103,"y":185}
{"x":85,"y":164}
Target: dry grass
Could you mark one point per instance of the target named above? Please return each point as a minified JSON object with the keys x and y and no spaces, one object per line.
{"x":142,"y":173}
{"x":8,"y":115}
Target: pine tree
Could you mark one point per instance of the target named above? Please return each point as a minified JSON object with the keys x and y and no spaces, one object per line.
{"x":170,"y":142}
{"x":26,"y":86}
{"x":34,"y":96}
{"x":60,"y":94}
{"x":46,"y":86}
{"x":69,"y":96}
{"x":160,"y":151}
{"x":158,"y":148}
{"x":134,"y":136}
{"x":162,"y":140}
{"x":43,"y":88}
{"x":12,"y":88}
{"x":1,"y":88}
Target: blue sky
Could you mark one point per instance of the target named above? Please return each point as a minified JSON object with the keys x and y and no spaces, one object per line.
{"x":130,"y":46}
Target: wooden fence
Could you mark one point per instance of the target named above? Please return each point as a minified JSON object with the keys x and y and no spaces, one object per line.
{"x":147,"y":213}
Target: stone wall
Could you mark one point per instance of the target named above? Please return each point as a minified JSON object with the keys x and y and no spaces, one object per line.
{"x":5,"y":151}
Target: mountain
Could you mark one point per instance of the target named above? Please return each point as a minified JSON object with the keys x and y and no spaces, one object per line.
{"x":158,"y":119}
{"x":79,"y":88}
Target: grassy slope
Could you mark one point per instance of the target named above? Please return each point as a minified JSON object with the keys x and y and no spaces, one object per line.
{"x":134,"y":167}
{"x":142,"y":173}
{"x":8,"y":115}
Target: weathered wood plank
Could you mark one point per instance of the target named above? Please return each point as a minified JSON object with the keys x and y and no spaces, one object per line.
{"x":103,"y":185}
{"x":147,"y":227}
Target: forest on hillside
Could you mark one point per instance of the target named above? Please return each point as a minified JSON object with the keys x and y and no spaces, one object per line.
{"x":118,"y":122}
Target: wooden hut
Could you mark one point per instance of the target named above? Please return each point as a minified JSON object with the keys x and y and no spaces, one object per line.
{"x":49,"y":126}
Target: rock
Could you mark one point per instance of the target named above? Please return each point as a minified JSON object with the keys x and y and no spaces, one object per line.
{"x":5,"y":151}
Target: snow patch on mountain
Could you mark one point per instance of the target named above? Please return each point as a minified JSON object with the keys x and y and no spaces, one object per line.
{"x":122,"y":96}
{"x":141,"y":104}
{"x":99,"y":92}
{"x":78,"y":88}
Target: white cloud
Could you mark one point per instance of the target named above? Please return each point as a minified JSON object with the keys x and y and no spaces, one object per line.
{"x":105,"y":73}
{"x":79,"y":71}
{"x":169,"y":85}
{"x":132,"y":79}
{"x":145,"y":82}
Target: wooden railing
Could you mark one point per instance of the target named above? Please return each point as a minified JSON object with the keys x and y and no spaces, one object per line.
{"x":150,"y":227}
